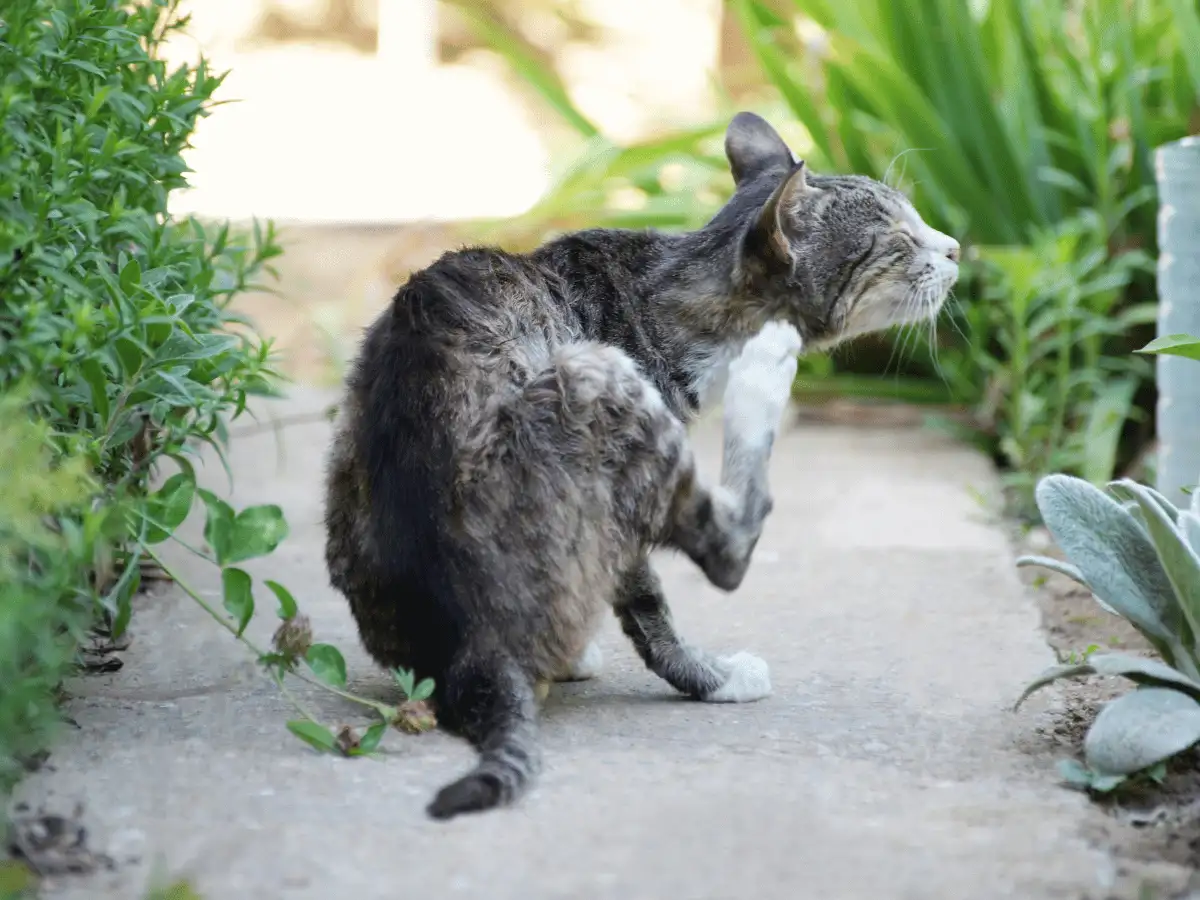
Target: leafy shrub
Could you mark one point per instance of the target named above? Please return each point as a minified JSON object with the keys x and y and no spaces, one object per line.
{"x":1030,"y":126}
{"x":116,"y":316}
{"x":1140,"y":557}
{"x":117,"y":311}
{"x":46,"y":548}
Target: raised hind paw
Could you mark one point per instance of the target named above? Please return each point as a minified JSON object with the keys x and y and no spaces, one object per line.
{"x":746,"y":677}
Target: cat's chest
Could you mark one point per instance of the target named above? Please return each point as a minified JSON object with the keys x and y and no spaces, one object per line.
{"x":709,"y":375}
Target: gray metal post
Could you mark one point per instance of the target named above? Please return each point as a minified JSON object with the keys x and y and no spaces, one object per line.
{"x":1177,"y":167}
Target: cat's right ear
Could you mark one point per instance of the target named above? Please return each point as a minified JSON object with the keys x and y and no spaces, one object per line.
{"x":771,"y":229}
{"x":753,"y":147}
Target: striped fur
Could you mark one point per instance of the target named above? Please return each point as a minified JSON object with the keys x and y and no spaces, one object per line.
{"x":512,"y":444}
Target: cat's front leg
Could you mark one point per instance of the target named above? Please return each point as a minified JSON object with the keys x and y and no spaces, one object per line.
{"x":719,"y":527}
{"x":645,"y":618}
{"x":756,"y":396}
{"x":587,"y":665}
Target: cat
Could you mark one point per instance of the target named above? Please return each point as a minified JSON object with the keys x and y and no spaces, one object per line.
{"x":512,"y":443}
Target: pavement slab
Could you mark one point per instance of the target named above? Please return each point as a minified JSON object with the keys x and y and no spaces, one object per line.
{"x":886,"y":764}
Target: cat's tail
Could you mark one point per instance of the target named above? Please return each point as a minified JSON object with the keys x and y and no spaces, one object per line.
{"x":492,"y":703}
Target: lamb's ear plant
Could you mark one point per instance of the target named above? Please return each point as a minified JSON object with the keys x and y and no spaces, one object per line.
{"x":1140,"y":557}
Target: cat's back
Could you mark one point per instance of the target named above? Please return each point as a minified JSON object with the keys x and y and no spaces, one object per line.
{"x":474,"y":294}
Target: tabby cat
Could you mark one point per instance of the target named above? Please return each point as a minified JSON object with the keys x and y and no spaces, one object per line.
{"x":513,"y":444}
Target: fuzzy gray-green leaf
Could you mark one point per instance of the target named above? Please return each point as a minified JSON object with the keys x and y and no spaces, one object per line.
{"x":1063,"y":568}
{"x":1140,"y":729}
{"x":1189,"y":524}
{"x":1135,"y":668}
{"x":1124,"y":490}
{"x":1115,"y":556}
{"x":1177,"y":559}
{"x":1067,"y":670}
{"x":1054,"y":565}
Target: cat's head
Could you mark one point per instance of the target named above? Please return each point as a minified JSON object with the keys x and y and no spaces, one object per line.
{"x":835,"y":255}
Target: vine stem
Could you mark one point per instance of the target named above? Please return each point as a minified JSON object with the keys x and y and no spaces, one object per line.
{"x":382,"y":708}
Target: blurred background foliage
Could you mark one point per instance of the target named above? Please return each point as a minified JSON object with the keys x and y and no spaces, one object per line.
{"x":1024,"y":127}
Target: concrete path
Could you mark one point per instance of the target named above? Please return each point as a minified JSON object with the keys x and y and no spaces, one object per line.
{"x":886,"y":764}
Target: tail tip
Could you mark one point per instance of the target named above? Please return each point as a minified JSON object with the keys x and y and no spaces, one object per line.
{"x":472,"y":793}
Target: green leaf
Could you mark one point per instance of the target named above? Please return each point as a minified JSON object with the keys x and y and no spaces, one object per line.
{"x":1178,"y":559}
{"x":1140,"y":729}
{"x":237,"y":588}
{"x":119,"y":601}
{"x":1189,"y":524}
{"x":256,"y":531}
{"x":1174,"y":345}
{"x":131,"y":276}
{"x":1054,"y":565}
{"x":1116,"y":558}
{"x":1136,"y":668}
{"x":316,"y":736}
{"x":287,"y":603}
{"x":181,"y":347}
{"x":522,"y":57}
{"x":371,"y":737}
{"x":93,"y":374}
{"x":423,"y":690}
{"x":754,"y":16}
{"x":1121,"y":490}
{"x":131,"y":354}
{"x":1075,"y":773}
{"x":404,"y":678}
{"x":218,"y":527}
{"x":167,"y":508}
{"x":1103,"y":784}
{"x":327,"y":664}
{"x":1102,"y":432}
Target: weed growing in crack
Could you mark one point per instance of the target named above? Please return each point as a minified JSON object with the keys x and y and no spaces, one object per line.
{"x":234,"y":537}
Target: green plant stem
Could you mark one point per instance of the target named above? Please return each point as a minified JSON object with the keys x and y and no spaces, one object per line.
{"x":278,"y":678}
{"x":382,"y":708}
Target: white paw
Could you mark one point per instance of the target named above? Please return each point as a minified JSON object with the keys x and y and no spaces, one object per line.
{"x":760,"y":384}
{"x":589,"y":664}
{"x":746,"y":678}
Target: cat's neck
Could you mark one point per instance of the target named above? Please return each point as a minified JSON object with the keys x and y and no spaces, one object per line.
{"x":695,"y":295}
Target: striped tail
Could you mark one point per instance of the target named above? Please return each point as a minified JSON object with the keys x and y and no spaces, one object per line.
{"x":491,"y":703}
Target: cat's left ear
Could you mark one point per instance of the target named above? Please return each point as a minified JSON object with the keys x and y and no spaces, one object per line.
{"x":752,"y":147}
{"x":771,"y":228}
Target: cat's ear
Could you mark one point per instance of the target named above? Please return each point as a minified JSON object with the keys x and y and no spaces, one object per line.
{"x":753,"y":146}
{"x":771,"y":228}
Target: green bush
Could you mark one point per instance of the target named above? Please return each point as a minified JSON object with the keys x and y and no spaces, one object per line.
{"x":114,"y":318}
{"x":46,"y":549}
{"x":116,"y":321}
{"x":1024,"y":127}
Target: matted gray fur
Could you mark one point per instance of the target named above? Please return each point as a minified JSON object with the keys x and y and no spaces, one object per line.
{"x":512,"y":444}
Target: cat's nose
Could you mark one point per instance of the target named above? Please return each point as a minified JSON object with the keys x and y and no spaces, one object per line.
{"x":953,"y":250}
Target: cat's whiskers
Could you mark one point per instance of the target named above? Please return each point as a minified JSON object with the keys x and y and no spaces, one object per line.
{"x":954,"y":303}
{"x":907,"y":307}
{"x":933,"y":342}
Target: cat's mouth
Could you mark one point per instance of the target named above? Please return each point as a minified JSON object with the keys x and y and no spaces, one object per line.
{"x":927,"y":295}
